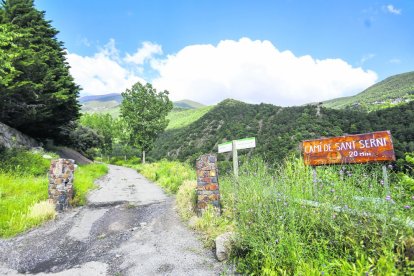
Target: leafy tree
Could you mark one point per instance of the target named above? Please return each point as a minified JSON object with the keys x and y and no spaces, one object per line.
{"x":144,"y":111}
{"x":103,"y":124}
{"x":41,"y":97}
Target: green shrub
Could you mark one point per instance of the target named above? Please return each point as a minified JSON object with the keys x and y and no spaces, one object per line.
{"x":23,"y":162}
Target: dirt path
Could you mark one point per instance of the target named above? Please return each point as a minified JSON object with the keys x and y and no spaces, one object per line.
{"x":129,"y":227}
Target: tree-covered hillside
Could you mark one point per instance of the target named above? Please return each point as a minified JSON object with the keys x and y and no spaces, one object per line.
{"x":389,"y":92}
{"x":279,"y":130}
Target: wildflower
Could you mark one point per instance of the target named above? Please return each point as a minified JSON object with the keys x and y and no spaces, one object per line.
{"x":277,"y":241}
{"x":334,"y":216}
{"x":332,"y":190}
{"x":382,"y":182}
{"x":407,"y":206}
{"x":412,"y":197}
{"x":388,"y":197}
{"x":322,"y":273}
{"x":390,"y":166}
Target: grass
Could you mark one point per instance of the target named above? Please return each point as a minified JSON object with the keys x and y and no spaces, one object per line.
{"x":169,"y":175}
{"x":345,"y":223}
{"x":24,"y":189}
{"x":85,"y":177}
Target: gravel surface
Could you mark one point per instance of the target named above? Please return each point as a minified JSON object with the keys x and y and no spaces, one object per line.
{"x":129,"y":227}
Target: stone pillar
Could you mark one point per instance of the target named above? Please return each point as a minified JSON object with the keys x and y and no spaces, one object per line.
{"x":207,"y":183}
{"x":61,"y":183}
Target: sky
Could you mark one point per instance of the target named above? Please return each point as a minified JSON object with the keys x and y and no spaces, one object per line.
{"x":283,"y":52}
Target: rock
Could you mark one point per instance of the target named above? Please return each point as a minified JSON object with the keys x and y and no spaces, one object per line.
{"x":223,"y":246}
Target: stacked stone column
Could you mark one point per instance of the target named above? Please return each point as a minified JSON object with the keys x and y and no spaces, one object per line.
{"x":61,"y":183}
{"x":207,"y":183}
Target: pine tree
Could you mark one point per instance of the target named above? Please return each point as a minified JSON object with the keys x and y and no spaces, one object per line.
{"x":42,"y":97}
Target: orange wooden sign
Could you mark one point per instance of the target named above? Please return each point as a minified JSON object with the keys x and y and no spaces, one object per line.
{"x":360,"y":148}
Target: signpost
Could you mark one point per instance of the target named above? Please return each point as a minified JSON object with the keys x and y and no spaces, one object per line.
{"x":360,"y":148}
{"x":350,"y":149}
{"x":235,"y":145}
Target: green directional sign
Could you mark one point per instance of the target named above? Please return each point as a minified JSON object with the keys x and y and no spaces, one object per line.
{"x":245,"y":143}
{"x":235,"y":145}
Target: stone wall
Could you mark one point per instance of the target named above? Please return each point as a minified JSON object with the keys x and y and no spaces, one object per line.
{"x":61,"y":183}
{"x":207,"y":183}
{"x":12,"y":138}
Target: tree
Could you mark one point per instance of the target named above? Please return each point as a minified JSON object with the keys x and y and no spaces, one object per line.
{"x":41,"y":97}
{"x":8,"y":53}
{"x":103,"y":124}
{"x":144,"y":111}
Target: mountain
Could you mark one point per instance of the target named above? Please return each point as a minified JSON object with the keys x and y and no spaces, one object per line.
{"x":102,"y":98}
{"x":109,"y":103}
{"x":188,"y":104}
{"x":279,"y":130}
{"x":389,"y":92}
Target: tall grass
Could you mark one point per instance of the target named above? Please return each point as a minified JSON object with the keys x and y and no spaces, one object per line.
{"x":345,"y":223}
{"x":169,"y":175}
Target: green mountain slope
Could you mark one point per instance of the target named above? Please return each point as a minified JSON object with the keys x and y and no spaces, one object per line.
{"x":181,"y":118}
{"x":109,"y":103}
{"x":389,"y":92}
{"x":279,"y":130}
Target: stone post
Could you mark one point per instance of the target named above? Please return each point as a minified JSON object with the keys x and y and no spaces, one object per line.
{"x":61,"y":183}
{"x":207,"y":183}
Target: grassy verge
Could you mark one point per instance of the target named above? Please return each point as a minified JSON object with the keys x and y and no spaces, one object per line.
{"x":346,"y":223}
{"x":85,"y":177}
{"x":180,"y":179}
{"x":24,"y":189}
{"x":169,"y":175}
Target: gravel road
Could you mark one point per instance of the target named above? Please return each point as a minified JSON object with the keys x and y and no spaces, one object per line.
{"x":129,"y":227}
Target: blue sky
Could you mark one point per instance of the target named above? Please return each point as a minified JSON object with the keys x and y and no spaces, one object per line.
{"x":283,"y":52}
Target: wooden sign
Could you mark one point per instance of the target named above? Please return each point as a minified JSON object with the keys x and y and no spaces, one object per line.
{"x":360,"y":148}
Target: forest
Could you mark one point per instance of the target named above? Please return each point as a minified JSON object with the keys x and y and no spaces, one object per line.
{"x":279,"y":130}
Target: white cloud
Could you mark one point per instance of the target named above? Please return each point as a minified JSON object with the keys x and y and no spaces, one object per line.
{"x":256,"y":71}
{"x":391,"y":9}
{"x":146,"y":52}
{"x":101,"y":73}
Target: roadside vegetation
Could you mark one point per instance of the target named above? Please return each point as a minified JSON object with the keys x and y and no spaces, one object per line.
{"x":24,"y":189}
{"x":345,"y":223}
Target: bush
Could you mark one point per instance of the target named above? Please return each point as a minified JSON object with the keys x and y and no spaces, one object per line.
{"x":23,"y":162}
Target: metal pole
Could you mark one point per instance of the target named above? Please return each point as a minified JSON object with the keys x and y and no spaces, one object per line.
{"x":385,"y":176}
{"x":315,"y":180}
{"x":235,"y":160}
